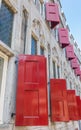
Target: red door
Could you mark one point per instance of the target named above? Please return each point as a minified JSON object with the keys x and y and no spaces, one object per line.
{"x":72,"y":105}
{"x":59,"y":108}
{"x":31,"y":103}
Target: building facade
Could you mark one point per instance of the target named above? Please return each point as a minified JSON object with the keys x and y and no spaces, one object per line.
{"x":27,"y":28}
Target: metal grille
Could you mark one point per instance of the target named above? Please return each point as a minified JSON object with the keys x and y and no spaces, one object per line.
{"x":6,"y":24}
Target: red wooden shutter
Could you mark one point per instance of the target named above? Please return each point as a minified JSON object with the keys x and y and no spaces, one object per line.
{"x":79,"y":105}
{"x":52,"y":14}
{"x":80,"y":75}
{"x":59,"y":108}
{"x":31,"y":103}
{"x":72,"y":105}
{"x":77,"y":71}
{"x":74,"y":63}
{"x":63,"y":37}
{"x":70,"y":52}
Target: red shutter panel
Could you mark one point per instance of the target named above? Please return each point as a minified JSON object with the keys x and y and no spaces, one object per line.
{"x":72,"y":105}
{"x":63,"y":37}
{"x":52,"y":14}
{"x":74,"y":63}
{"x":70,"y":52}
{"x":80,"y":76}
{"x":77,"y":71}
{"x":31,"y":103}
{"x":59,"y":108}
{"x":79,"y":105}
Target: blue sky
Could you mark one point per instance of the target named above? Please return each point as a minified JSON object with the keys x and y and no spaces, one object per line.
{"x":72,"y":11}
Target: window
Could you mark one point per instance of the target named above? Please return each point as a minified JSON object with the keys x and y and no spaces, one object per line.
{"x":37,"y":3}
{"x":76,"y":89}
{"x":3,"y":71}
{"x":58,"y":71}
{"x":70,"y":85}
{"x":42,"y":10}
{"x":41,"y":50}
{"x":23,"y":31}
{"x":79,"y":91}
{"x":54,"y":70}
{"x":6,"y":24}
{"x":33,"y":46}
{"x":34,"y":1}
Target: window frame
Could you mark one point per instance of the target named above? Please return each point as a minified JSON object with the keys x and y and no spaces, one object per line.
{"x":3,"y":85}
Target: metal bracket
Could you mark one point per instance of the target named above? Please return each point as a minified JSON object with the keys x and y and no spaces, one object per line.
{"x":13,"y":114}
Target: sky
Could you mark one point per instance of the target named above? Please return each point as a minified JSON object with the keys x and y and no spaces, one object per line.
{"x":72,"y":11}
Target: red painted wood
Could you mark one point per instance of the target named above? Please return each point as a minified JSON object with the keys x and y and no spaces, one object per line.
{"x":80,"y":75}
{"x":79,"y":106}
{"x":59,"y":108}
{"x":52,"y":14}
{"x":70,"y":52}
{"x":63,"y":37}
{"x":31,"y":102}
{"x":77,"y":71}
{"x":72,"y":105}
{"x":74,"y":63}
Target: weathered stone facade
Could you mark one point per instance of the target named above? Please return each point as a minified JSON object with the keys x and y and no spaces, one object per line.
{"x":48,"y":40}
